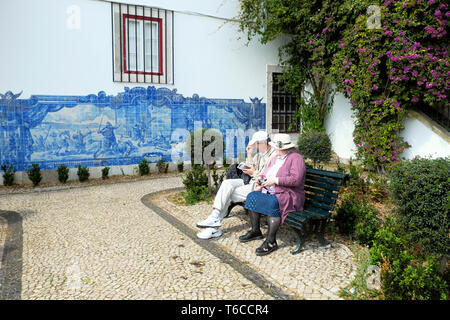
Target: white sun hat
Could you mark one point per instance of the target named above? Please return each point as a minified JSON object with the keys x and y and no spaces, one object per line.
{"x":258,"y":136}
{"x":281,"y":141}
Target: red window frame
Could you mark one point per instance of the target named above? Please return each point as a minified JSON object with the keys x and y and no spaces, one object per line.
{"x":159,"y":21}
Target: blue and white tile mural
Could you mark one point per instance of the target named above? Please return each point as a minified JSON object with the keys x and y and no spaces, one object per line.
{"x":102,"y":130}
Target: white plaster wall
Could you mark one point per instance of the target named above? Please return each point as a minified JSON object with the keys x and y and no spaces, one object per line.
{"x":339,"y":126}
{"x":41,"y":55}
{"x":424,"y":142}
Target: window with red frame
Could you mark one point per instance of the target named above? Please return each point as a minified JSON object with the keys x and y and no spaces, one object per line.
{"x":142,"y":44}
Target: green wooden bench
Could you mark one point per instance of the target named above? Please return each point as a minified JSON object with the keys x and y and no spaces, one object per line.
{"x":321,"y":191}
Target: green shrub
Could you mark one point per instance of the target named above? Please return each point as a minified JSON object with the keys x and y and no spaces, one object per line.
{"x":388,"y":242}
{"x":218,"y":179}
{"x":196,"y":184}
{"x":180,"y":166}
{"x":408,"y":278}
{"x":420,"y":189}
{"x":357,"y":218}
{"x":83,"y":173}
{"x":144,"y":167}
{"x":63,"y":173}
{"x":315,"y":145}
{"x":162,"y":166}
{"x":105,"y":173}
{"x":8,"y":175}
{"x":34,"y":174}
{"x":405,"y":274}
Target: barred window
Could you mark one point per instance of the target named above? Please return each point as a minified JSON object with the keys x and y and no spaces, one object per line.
{"x":284,"y":105}
{"x":142,"y":44}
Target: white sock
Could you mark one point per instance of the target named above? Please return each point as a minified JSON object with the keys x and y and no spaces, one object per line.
{"x":215,"y":213}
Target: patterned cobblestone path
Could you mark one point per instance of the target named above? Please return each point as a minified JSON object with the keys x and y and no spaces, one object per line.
{"x":118,"y":241}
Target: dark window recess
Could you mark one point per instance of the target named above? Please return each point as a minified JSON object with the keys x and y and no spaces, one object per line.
{"x":142,"y":44}
{"x":284,"y":106}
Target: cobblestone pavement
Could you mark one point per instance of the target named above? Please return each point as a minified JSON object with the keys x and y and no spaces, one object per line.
{"x":103,"y":242}
{"x":3,"y":229}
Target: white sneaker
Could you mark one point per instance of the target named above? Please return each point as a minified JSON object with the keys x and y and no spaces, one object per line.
{"x":212,"y":222}
{"x":209,"y":233}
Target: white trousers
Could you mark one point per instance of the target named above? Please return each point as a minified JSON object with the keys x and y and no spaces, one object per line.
{"x":231,"y":190}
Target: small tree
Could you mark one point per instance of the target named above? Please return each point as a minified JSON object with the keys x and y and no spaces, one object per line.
{"x":105,"y":173}
{"x":8,"y":175}
{"x":83,"y":173}
{"x":63,"y":173}
{"x":144,"y":167}
{"x":315,"y":146}
{"x":211,"y":148}
{"x":34,"y":174}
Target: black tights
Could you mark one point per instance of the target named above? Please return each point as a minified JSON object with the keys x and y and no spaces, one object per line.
{"x":273,"y":224}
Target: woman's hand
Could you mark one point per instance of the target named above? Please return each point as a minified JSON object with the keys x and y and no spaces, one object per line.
{"x":249,"y":171}
{"x":269,"y":182}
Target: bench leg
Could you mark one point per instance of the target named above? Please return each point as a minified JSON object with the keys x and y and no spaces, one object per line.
{"x":321,"y":226}
{"x":300,"y":242}
{"x":231,"y":206}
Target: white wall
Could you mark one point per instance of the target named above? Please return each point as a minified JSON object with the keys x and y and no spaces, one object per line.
{"x":339,"y":126}
{"x":41,"y":55}
{"x":424,"y":140}
{"x":421,"y":133}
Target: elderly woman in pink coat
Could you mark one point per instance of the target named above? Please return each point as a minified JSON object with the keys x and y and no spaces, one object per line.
{"x":280,"y":191}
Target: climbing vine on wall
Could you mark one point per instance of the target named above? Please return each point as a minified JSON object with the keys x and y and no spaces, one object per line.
{"x":311,"y":31}
{"x":387,"y":66}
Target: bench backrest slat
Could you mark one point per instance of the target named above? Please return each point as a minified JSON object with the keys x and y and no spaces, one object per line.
{"x":323,"y":179}
{"x":321,"y":185}
{"x":320,"y":198}
{"x":337,"y":175}
{"x":312,"y":203}
{"x":325,"y":193}
{"x":321,"y":190}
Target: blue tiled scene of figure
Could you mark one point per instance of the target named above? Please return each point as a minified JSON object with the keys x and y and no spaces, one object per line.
{"x":122,"y":129}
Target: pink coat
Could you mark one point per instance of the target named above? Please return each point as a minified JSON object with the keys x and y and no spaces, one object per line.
{"x":291,"y":178}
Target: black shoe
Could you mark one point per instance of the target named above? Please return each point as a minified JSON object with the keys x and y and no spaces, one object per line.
{"x":266,"y":248}
{"x":249,"y":236}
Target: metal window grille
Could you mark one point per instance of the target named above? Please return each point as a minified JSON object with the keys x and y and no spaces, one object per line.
{"x":142,"y":44}
{"x":284,"y":105}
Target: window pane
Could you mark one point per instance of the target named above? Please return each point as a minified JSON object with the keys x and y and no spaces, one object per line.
{"x":151,"y":47}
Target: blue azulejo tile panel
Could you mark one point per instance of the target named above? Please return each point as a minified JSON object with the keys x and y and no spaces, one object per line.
{"x":107,"y":130}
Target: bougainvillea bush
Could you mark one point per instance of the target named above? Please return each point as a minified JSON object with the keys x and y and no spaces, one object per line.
{"x":394,"y":57}
{"x":312,"y":31}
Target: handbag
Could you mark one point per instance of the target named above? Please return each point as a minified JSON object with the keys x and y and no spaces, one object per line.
{"x":234,"y":172}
